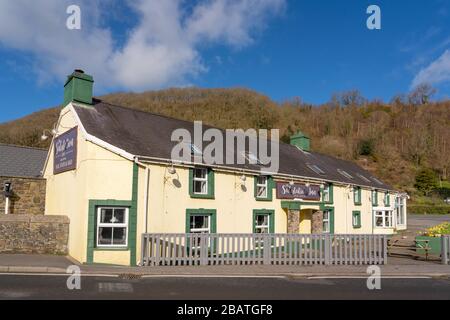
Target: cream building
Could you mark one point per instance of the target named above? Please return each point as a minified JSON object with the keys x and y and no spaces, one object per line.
{"x":109,"y":169}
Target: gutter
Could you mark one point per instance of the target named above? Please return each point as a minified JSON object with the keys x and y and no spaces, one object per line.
{"x":163,"y":161}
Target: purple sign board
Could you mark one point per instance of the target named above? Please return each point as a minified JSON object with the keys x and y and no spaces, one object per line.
{"x":297,"y":191}
{"x":65,"y":151}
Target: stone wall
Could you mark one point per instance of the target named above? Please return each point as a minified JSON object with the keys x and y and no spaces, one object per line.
{"x":293,"y":223}
{"x":317,"y":222}
{"x":28,"y":198}
{"x":34,"y":234}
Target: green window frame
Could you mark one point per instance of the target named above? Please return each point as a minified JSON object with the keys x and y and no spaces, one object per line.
{"x":375,"y":198}
{"x":357,"y":196}
{"x":330,"y":218}
{"x":209,"y":180}
{"x":269,"y":183}
{"x":328,"y":186}
{"x":211,"y":213}
{"x":264,"y":212}
{"x":387,"y":199}
{"x":356,"y":219}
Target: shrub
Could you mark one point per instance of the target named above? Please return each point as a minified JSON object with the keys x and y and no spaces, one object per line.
{"x":366,"y":147}
{"x":428,"y":209}
{"x":426,"y":181}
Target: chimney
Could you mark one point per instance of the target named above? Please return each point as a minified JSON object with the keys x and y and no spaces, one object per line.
{"x":301,"y":141}
{"x":78,"y":88}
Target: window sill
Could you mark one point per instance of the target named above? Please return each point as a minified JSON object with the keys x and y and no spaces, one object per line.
{"x":112,"y":249}
{"x":263,"y":199}
{"x":202,"y":196}
{"x":357,"y":203}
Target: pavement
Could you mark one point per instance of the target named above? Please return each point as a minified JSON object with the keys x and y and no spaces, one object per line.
{"x":45,"y":264}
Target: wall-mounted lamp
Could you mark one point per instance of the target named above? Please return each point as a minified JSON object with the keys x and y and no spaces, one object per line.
{"x":52,"y":132}
{"x":172,"y":170}
{"x":243,"y":178}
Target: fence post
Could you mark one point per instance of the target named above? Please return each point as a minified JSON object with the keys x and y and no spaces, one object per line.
{"x":444,"y":250}
{"x":385,"y":249}
{"x":327,"y":245}
{"x":143,"y":250}
{"x":203,"y":250}
{"x":267,"y":251}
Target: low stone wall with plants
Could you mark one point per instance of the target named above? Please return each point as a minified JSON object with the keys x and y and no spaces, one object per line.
{"x":34,"y":234}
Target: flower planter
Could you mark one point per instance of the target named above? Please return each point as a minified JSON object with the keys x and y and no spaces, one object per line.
{"x":433,"y":242}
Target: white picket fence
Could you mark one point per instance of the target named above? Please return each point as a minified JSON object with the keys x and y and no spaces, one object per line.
{"x":192,"y":249}
{"x":445,"y":249}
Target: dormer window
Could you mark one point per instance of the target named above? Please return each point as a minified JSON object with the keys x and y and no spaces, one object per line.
{"x":364,"y":178}
{"x":316,"y":169}
{"x":195,"y":150}
{"x":345,"y":174}
{"x":251,"y":157}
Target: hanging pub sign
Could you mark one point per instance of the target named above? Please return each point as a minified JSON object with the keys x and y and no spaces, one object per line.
{"x":285,"y":190}
{"x":65,"y":151}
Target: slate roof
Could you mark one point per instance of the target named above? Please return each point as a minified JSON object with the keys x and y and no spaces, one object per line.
{"x":17,"y":161}
{"x":149,"y":135}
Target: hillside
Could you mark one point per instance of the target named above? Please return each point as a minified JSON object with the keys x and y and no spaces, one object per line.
{"x":392,"y":140}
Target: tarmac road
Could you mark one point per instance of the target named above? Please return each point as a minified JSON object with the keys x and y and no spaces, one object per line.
{"x":224,"y":288}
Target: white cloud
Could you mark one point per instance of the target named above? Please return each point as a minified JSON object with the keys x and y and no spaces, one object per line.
{"x":163,"y":48}
{"x":435,"y":73}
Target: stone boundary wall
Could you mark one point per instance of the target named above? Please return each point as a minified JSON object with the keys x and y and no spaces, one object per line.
{"x":28,"y":195}
{"x":34,"y":234}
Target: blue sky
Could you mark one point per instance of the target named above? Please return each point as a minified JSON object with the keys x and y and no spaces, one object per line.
{"x":284,"y":49}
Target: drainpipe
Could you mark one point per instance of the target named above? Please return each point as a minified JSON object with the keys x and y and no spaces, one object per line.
{"x":146,"y":194}
{"x":6,"y":205}
{"x":147,"y":187}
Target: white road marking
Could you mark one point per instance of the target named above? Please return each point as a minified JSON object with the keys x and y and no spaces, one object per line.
{"x":209,"y":276}
{"x":58,"y":274}
{"x":363,"y":277}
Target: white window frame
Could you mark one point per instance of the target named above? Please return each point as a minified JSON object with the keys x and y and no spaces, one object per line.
{"x":199,"y":230}
{"x":383,"y":213}
{"x":326,"y":192}
{"x":385,"y":197}
{"x":357,"y":194}
{"x":112,"y":225}
{"x":400,"y":211}
{"x":259,"y":227}
{"x":373,"y":197}
{"x":205,"y":179}
{"x":327,"y":220}
{"x":264,"y":185}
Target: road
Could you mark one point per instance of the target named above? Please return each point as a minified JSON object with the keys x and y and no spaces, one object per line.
{"x":277,"y":288}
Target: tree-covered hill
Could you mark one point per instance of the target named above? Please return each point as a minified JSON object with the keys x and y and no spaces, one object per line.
{"x":393,"y":140}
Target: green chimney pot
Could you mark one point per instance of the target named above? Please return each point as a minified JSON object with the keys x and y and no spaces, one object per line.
{"x":301,"y":141}
{"x":78,"y":88}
